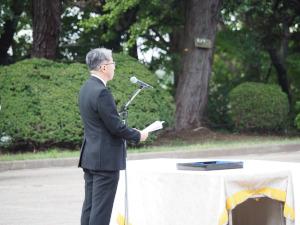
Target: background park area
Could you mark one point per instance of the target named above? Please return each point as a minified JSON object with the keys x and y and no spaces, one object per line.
{"x":226,"y":74}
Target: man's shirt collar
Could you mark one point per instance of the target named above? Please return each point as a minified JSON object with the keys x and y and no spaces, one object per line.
{"x":94,"y":75}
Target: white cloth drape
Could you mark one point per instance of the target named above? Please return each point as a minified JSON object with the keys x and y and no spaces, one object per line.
{"x":159,"y":194}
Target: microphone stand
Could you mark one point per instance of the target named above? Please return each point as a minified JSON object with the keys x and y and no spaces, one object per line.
{"x":124,"y":109}
{"x":124,"y":116}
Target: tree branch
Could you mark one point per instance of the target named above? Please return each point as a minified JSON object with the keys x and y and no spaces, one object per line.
{"x":85,"y":3}
{"x":157,"y":43}
{"x":160,"y":37}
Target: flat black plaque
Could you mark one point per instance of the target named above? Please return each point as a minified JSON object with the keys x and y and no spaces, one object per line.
{"x":210,"y":165}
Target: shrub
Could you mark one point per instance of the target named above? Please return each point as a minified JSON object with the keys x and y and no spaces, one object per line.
{"x":217,"y":104}
{"x":39,"y":100}
{"x":257,"y":106}
{"x":297,"y":119}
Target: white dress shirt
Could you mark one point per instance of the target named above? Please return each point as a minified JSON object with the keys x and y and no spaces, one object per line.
{"x":94,"y":75}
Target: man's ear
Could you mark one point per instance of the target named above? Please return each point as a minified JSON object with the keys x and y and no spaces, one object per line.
{"x":103,"y":68}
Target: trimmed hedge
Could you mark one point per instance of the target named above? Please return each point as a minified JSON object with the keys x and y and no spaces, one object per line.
{"x":39,"y":100}
{"x":257,"y":106}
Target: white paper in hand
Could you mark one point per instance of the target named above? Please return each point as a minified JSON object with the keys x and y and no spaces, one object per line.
{"x":157,"y":125}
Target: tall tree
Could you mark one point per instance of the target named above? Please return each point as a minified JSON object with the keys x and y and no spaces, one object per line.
{"x":173,"y":29}
{"x":271,"y":22}
{"x":46,"y":28}
{"x":284,"y":17}
{"x":84,"y":22}
{"x":9,"y":29}
{"x":192,"y":90}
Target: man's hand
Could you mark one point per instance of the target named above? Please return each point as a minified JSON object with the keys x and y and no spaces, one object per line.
{"x":144,"y":135}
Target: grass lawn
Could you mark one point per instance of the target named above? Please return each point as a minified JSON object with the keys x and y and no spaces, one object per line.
{"x":174,"y":145}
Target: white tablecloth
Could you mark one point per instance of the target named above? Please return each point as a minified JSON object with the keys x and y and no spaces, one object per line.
{"x":159,"y":194}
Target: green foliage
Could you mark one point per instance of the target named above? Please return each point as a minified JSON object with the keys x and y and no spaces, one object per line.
{"x":297,"y":119}
{"x":8,"y":9}
{"x":75,"y":40}
{"x":150,"y":104}
{"x":226,"y":73}
{"x":238,"y":58}
{"x":293,"y":71}
{"x":156,"y":16}
{"x":272,"y":27}
{"x":148,"y":27}
{"x":257,"y":106}
{"x":5,"y":13}
{"x":39,"y":100}
{"x":235,"y":61}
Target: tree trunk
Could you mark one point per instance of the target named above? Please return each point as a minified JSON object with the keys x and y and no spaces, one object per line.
{"x":192,"y":90}
{"x":46,"y":28}
{"x":281,"y":72}
{"x":278,"y":58}
{"x":177,"y":38}
{"x":9,"y":30}
{"x":133,"y":51}
{"x":176,"y":46}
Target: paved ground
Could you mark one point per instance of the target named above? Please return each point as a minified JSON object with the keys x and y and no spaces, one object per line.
{"x":182,"y":153}
{"x":279,"y":156}
{"x":48,"y":196}
{"x":53,"y":196}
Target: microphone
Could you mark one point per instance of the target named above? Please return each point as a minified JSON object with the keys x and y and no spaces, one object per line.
{"x":142,"y":84}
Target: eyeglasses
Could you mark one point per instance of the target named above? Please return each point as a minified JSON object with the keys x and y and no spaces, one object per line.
{"x":109,"y":63}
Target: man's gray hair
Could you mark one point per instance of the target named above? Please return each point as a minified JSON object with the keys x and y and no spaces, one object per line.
{"x":97,"y":56}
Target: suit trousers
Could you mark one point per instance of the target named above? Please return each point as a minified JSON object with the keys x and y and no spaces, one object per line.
{"x":100,"y":191}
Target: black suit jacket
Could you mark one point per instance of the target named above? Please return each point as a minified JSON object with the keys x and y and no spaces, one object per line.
{"x":103,"y":146}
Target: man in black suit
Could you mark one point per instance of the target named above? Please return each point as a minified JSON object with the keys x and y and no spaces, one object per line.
{"x":103,"y":151}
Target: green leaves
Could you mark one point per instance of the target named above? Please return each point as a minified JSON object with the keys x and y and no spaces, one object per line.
{"x":150,"y":104}
{"x":257,"y":106}
{"x":297,"y":119}
{"x":112,"y":12}
{"x":39,"y":100}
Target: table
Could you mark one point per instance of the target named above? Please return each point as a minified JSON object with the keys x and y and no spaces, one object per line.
{"x":159,"y":194}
